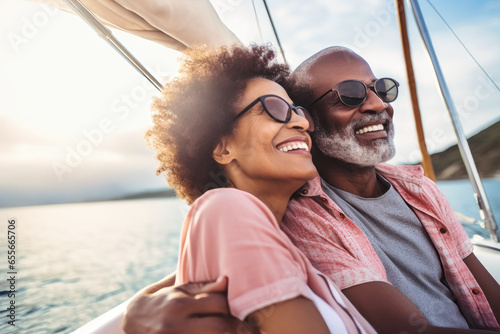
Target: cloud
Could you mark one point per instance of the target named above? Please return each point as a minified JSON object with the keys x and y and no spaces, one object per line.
{"x":34,"y":166}
{"x":53,"y":105}
{"x":131,"y":143}
{"x":17,"y":132}
{"x":100,"y":176}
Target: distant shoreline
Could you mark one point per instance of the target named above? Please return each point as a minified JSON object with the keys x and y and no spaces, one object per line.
{"x":169,"y":193}
{"x":448,"y":164}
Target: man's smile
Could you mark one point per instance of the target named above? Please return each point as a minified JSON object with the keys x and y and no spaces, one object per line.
{"x":370,"y":128}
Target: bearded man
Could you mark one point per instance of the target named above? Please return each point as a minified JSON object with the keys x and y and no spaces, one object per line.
{"x":384,"y":234}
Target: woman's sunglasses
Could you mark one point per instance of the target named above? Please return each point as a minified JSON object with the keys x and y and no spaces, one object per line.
{"x":353,"y":93}
{"x":279,"y":110}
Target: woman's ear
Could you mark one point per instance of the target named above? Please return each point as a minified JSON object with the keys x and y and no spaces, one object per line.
{"x":222,"y":152}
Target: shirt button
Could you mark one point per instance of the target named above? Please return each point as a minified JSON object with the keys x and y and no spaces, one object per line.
{"x":342,"y":215}
{"x":442,"y":230}
{"x":304,"y":192}
{"x":324,"y":200}
{"x":476,"y":291}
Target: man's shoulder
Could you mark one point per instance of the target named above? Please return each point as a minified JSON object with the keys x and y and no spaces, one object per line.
{"x":407,"y":177}
{"x":405,"y":172}
{"x":413,"y":174}
{"x":310,"y":205}
{"x":411,"y":183}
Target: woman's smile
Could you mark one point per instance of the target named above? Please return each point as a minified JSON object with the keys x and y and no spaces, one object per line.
{"x":295,"y":145}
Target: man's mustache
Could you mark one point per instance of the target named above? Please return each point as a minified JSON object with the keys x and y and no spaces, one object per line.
{"x":379,"y":117}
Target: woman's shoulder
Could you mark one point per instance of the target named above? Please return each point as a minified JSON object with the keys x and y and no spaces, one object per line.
{"x":226,"y":198}
{"x":225,"y":194}
{"x":229,"y":203}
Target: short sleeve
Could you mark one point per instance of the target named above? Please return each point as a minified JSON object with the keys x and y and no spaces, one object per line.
{"x":231,"y":233}
{"x":333,"y":248}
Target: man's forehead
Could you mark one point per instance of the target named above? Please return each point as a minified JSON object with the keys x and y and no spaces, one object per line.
{"x":333,"y":68}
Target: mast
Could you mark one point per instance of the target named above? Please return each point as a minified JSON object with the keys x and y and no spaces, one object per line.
{"x":106,"y":34}
{"x":426,"y":158}
{"x":479,"y":192}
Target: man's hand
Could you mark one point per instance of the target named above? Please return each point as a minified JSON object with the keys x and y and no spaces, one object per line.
{"x":189,"y":308}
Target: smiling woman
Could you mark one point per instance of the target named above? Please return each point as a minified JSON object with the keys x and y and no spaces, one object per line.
{"x":191,"y":116}
{"x":227,"y":118}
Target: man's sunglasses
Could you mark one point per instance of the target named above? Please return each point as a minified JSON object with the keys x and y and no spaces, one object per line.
{"x":353,"y":93}
{"x":279,"y":110}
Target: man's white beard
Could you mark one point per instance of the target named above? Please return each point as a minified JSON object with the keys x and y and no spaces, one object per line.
{"x":344,"y":146}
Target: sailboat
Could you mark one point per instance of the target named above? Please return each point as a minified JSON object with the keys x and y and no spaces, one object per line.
{"x":109,"y":322}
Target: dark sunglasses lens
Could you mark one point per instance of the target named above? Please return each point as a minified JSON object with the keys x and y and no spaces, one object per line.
{"x":387,"y":89}
{"x":278,"y":108}
{"x":352,"y":93}
{"x":303,"y":113}
{"x":281,"y":112}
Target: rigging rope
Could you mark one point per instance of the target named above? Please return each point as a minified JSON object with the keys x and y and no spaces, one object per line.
{"x":275,"y":31}
{"x":463,"y":45}
{"x":257,"y":21}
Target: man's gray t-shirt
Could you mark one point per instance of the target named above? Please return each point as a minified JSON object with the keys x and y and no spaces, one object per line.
{"x":410,"y":259}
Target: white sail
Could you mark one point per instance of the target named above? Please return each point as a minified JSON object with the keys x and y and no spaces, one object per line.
{"x":175,"y":24}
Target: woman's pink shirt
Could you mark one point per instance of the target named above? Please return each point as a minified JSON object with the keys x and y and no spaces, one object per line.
{"x":231,"y":233}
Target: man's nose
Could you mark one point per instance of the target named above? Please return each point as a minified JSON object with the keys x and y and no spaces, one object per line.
{"x":373,"y":103}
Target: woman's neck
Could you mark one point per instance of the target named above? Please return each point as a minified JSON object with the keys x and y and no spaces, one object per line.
{"x":277,"y":203}
{"x":275,"y":195}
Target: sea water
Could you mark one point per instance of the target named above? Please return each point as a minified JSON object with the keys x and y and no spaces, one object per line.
{"x":77,"y":261}
{"x":460,"y":194}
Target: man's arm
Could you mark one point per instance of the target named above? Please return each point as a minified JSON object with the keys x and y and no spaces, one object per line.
{"x":293,"y":316}
{"x":389,"y":311}
{"x":488,"y":284}
{"x":188,"y":308}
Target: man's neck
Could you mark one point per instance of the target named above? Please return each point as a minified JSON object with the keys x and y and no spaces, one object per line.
{"x":358,"y":180}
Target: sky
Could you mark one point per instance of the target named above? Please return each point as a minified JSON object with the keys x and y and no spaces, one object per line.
{"x":73,"y":113}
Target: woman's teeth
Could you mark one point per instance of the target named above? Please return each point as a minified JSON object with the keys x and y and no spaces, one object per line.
{"x":294,"y":146}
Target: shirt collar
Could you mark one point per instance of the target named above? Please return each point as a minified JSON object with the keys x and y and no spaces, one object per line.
{"x":311,"y":188}
{"x":396,"y":175}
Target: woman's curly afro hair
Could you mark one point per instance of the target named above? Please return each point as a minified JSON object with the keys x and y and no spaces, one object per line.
{"x":196,"y":108}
